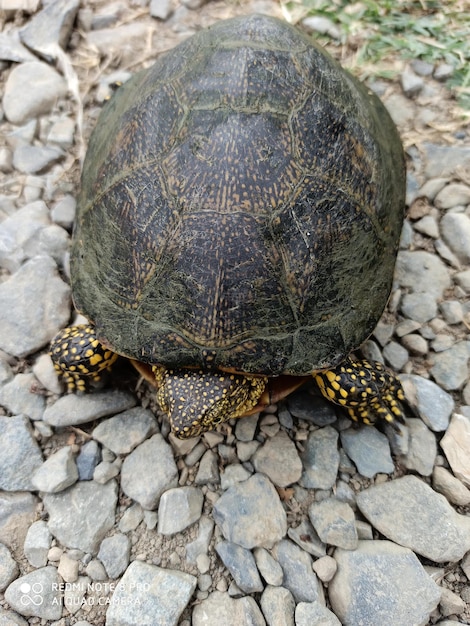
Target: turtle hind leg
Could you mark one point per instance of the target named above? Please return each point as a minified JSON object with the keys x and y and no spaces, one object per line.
{"x":79,"y":358}
{"x":368,"y":391}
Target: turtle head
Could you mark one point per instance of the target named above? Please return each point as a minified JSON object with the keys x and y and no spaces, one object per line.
{"x":197,"y":401}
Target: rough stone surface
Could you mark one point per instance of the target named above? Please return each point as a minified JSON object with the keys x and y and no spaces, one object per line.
{"x":71,"y":410}
{"x":241,"y":564}
{"x":334,"y":522}
{"x":37,"y":544}
{"x":20,"y":454}
{"x":369,"y":450}
{"x":237,"y":513}
{"x":114,"y":554}
{"x":36,"y":594}
{"x":179,"y":508}
{"x":456,"y":446}
{"x":153,"y":458}
{"x":410,"y":513}
{"x":320,"y":459}
{"x":296,"y":565}
{"x":387,"y":579}
{"x":279,"y":460}
{"x":81,"y":516}
{"x":149,"y":595}
{"x":122,"y":433}
{"x":57,"y":473}
{"x":219,"y":608}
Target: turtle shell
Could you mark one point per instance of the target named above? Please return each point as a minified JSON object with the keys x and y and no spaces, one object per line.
{"x":241,"y":206}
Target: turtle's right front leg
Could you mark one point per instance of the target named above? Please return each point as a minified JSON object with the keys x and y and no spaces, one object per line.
{"x":79,"y":358}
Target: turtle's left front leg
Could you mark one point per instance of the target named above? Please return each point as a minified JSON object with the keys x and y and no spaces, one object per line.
{"x":79,"y":358}
{"x":368,"y":391}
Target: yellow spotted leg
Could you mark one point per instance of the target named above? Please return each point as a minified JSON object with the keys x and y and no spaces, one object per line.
{"x":79,"y":358}
{"x":368,"y":391}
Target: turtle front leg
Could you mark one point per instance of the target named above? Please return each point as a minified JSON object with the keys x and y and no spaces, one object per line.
{"x":79,"y":358}
{"x":367,"y":390}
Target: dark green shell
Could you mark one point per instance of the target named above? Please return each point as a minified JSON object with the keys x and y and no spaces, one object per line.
{"x":241,"y":206}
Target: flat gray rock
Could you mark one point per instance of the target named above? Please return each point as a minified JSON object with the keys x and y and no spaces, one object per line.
{"x":422,"y":448}
{"x":19,"y":230}
{"x":81,"y":516}
{"x":37,"y":594}
{"x":450,"y":486}
{"x":11,"y":49}
{"x":114,"y":553}
{"x":58,"y":472}
{"x":334,"y":522}
{"x":219,"y":608}
{"x":455,"y":227}
{"x":422,"y":272}
{"x":73,"y":409}
{"x":450,"y":369}
{"x":268,"y":567}
{"x":279,"y":459}
{"x":310,"y":613}
{"x":149,"y":471}
{"x":278,"y":606}
{"x":32,"y":89}
{"x":250,"y":513}
{"x":25,"y":329}
{"x":8,"y":567}
{"x":369,"y":450}
{"x":124,"y":432}
{"x":18,"y":513}
{"x":409,"y":512}
{"x":382,"y":583}
{"x":320,"y":459}
{"x":298,"y":577}
{"x":10,"y":618}
{"x":456,"y":446}
{"x":20,"y":454}
{"x":19,"y":397}
{"x":241,"y":564}
{"x":37,"y":544}
{"x":433,"y":405}
{"x":179,"y":508}
{"x":148,"y":595}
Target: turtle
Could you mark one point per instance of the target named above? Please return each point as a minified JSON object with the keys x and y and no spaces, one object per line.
{"x":237,"y":228}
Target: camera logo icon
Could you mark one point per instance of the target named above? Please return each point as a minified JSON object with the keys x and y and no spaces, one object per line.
{"x":32,"y":594}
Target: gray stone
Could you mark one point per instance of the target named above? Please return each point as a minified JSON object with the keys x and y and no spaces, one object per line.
{"x":18,"y":396}
{"x":320,"y":459}
{"x":18,"y":231}
{"x":149,"y":471}
{"x":219,"y":608}
{"x":409,"y":512}
{"x":124,"y":432}
{"x":325,"y":567}
{"x":131,"y":518}
{"x":315,"y":409}
{"x":334,"y":522}
{"x":415,"y":344}
{"x":422,"y":272}
{"x":179,"y":508}
{"x":451,"y":603}
{"x":452,"y":311}
{"x":450,"y":486}
{"x":278,"y":606}
{"x":161,"y":9}
{"x":299,"y":577}
{"x":395,"y":355}
{"x":9,"y":618}
{"x":279,"y":460}
{"x":305,"y":536}
{"x":35,"y":159}
{"x":25,"y":329}
{"x":322,"y":25}
{"x":20,"y":454}
{"x":18,"y":513}
{"x":369,"y":450}
{"x":74,"y":409}
{"x":268,"y":567}
{"x":61,"y":134}
{"x":433,"y":405}
{"x":44,"y":371}
{"x":251,"y":514}
{"x":242,"y":566}
{"x":456,"y":446}
{"x":95,"y":570}
{"x":309,"y":613}
{"x":32,"y":89}
{"x":68,"y":568}
{"x":87,"y":460}
{"x":427,"y":225}
{"x":443,"y":161}
{"x":8,"y":567}
{"x":453,"y":195}
{"x":81,"y":516}
{"x":455,"y":229}
{"x":382,"y":583}
{"x":411,"y":83}
{"x":50,"y":28}
{"x":57,"y":473}
{"x":104,"y":471}
{"x":114,"y":554}
{"x":450,"y":368}
{"x":200,"y":545}
{"x":148,"y":595}
{"x":37,"y":594}
{"x":420,"y":307}
{"x":128,"y":39}
{"x":422,"y":448}
{"x":245,"y":429}
{"x":11,"y":49}
{"x":37,"y":544}
{"x":232,"y":475}
{"x":208,"y":471}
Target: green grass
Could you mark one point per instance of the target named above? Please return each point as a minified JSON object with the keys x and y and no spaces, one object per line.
{"x":431,"y":30}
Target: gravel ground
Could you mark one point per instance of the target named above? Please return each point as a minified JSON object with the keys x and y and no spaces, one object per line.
{"x":288,"y":517}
